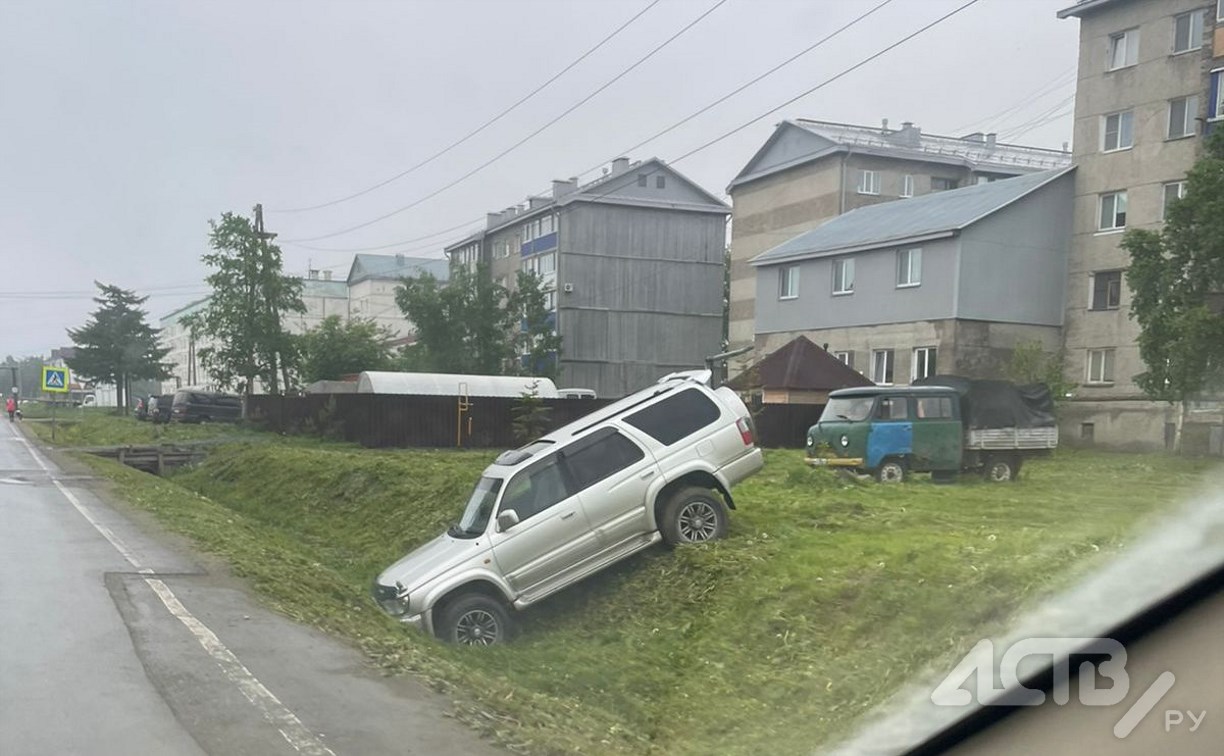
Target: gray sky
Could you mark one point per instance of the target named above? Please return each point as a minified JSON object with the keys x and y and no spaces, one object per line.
{"x":127,"y":125}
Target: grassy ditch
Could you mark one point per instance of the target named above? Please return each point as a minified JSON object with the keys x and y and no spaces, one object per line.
{"x":826,"y":596}
{"x":77,"y":426}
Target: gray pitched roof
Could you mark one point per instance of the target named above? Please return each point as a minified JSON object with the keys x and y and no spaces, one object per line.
{"x":395,"y":267}
{"x":932,"y":215}
{"x":1084,"y":6}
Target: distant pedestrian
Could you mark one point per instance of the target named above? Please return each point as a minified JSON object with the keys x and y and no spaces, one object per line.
{"x":10,"y":406}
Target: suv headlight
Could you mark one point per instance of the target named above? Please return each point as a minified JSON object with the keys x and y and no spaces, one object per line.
{"x":392,"y":599}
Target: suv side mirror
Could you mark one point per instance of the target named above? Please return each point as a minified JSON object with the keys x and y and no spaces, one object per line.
{"x":507,"y":520}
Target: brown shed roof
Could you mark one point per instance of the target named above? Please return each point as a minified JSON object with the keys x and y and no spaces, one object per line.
{"x":800,"y":365}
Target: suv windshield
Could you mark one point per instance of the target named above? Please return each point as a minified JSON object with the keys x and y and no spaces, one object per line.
{"x":848,"y":408}
{"x":479,"y":507}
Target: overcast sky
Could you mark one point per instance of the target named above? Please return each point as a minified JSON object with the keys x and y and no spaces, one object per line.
{"x":125,"y":126}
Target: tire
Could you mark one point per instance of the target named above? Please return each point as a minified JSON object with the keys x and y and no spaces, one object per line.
{"x":1000,"y":469}
{"x":891,"y":471}
{"x":693,"y":515}
{"x":475,"y":620}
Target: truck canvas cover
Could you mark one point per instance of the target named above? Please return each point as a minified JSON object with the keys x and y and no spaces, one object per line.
{"x":998,"y":404}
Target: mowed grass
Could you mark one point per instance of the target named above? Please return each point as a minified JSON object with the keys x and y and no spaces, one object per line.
{"x":76,"y":426}
{"x":825,"y":597}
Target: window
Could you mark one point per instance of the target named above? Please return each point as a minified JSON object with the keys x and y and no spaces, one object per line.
{"x":641,"y":179}
{"x":541,"y":265}
{"x":1123,"y":49}
{"x":933,"y":407}
{"x":941,"y":184}
{"x":882,"y":367}
{"x":1215,"y":103}
{"x":550,"y":300}
{"x":1172,"y":193}
{"x":923,"y":364}
{"x":845,"y":358}
{"x":907,"y":186}
{"x":843,"y":276}
{"x":1117,"y":132}
{"x":675,"y":417}
{"x":1087,"y":432}
{"x":1188,"y":31}
{"x":788,"y":282}
{"x":606,"y":456}
{"x":1100,"y":365}
{"x":546,"y":225}
{"x":1113,"y":211}
{"x":1106,"y":290}
{"x":660,"y":182}
{"x":892,"y":408}
{"x":535,"y":489}
{"x":527,"y":235}
{"x":868,"y":182}
{"x":1219,"y":10}
{"x":1182,"y":112}
{"x":909,"y":267}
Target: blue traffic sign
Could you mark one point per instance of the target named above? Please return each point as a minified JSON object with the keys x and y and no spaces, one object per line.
{"x":55,"y":379}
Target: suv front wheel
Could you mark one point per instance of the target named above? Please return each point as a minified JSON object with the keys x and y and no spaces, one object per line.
{"x":693,"y":515}
{"x":475,"y":620}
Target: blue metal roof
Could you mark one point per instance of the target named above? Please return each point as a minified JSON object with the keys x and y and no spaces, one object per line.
{"x":396,"y":267}
{"x":898,"y":221}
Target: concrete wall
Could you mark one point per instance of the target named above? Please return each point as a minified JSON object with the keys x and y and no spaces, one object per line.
{"x":1141,"y":171}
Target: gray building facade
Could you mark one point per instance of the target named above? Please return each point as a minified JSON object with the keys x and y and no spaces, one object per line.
{"x":633,"y":265}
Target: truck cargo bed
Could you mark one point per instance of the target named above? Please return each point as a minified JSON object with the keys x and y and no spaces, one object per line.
{"x":1012,"y":438}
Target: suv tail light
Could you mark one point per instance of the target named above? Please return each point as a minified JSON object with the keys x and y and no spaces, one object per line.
{"x":745,"y":429}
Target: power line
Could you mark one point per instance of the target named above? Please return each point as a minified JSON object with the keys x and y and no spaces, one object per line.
{"x":479,"y":128}
{"x":1048,"y":87}
{"x":386,"y":246}
{"x":527,"y":138}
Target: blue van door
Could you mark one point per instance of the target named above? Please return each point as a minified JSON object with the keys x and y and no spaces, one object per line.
{"x":892,"y":430}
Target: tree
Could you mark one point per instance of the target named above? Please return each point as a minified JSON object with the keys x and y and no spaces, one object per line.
{"x":335,"y":348}
{"x":116,"y":345}
{"x":462,"y":326}
{"x":1176,"y":278}
{"x":1030,"y":363}
{"x":242,"y":320}
{"x":536,"y":339}
{"x":530,"y":416}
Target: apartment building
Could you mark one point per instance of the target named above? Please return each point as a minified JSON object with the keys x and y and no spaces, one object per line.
{"x":946,"y":283}
{"x":808,"y":172}
{"x":1149,"y":88}
{"x":371,"y":284}
{"x":633,"y":266}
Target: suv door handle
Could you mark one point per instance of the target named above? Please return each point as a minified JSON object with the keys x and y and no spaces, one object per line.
{"x":568,"y":515}
{"x":646,"y":474}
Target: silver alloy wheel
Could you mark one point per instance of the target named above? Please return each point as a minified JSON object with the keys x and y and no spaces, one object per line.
{"x":477,"y":627}
{"x":698,"y":522}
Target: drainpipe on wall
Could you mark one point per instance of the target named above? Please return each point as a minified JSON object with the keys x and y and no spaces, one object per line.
{"x":841,"y":190}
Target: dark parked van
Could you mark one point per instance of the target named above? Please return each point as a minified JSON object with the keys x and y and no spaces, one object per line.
{"x":159,"y":408}
{"x":202,"y":407}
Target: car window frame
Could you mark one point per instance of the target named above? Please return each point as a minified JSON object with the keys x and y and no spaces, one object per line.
{"x":593,"y":439}
{"x":553,"y":459}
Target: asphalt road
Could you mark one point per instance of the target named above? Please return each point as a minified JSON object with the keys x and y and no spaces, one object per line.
{"x":114,"y":640}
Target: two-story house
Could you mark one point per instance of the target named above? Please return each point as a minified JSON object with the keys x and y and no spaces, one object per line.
{"x":948,"y":282}
{"x":810,"y":171}
{"x":1150,"y":76}
{"x":371,"y":284}
{"x":633,"y":264}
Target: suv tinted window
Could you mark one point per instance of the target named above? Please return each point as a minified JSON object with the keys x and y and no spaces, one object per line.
{"x":536,"y":489}
{"x":597,"y":461}
{"x":676,"y":416}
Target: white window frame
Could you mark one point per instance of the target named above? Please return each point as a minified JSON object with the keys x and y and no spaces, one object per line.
{"x":868,"y":182}
{"x":1099,"y":366}
{"x":909,"y":267}
{"x":1219,"y":10}
{"x":1215,"y":110}
{"x":846,"y":358}
{"x":923,"y":356}
{"x":1124,"y":133}
{"x":1193,"y":41}
{"x":1164,"y":195}
{"x":882,"y":365}
{"x":907,"y":185}
{"x":1188,"y":125}
{"x":1113,"y":197}
{"x":1092,"y":288}
{"x":1129,"y":38}
{"x":954,"y":182}
{"x":788,"y":282}
{"x":843,"y":276}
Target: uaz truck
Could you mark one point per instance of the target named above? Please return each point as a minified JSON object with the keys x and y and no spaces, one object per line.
{"x":943,"y":425}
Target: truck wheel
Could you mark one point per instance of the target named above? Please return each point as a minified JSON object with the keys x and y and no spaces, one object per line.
{"x":693,"y":515}
{"x":475,"y":620}
{"x":1001,"y":469}
{"x":891,"y":471}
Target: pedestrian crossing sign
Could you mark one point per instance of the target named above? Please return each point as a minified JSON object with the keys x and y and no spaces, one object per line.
{"x":55,"y":379}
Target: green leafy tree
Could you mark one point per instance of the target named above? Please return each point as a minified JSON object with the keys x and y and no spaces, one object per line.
{"x":1176,"y":278}
{"x":530,"y":416}
{"x":462,"y":325}
{"x":1030,"y":363}
{"x":536,"y":340}
{"x":116,"y":345}
{"x":242,"y":321}
{"x":335,"y":348}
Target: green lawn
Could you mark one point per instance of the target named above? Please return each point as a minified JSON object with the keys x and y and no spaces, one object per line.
{"x":825,"y":597}
{"x":76,"y":426}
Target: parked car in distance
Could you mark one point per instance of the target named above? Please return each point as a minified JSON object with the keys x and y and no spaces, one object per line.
{"x":141,"y":410}
{"x":206,"y":407}
{"x":159,"y":408}
{"x":576,"y":393}
{"x":655,"y":466}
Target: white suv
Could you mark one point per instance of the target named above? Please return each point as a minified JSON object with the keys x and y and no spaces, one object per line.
{"x":657,"y":465}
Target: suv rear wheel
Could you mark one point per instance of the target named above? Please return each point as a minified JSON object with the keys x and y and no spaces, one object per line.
{"x":475,"y":620}
{"x":693,"y":515}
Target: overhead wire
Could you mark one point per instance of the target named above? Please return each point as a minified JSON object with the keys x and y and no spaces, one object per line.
{"x":478,"y":129}
{"x":1050,"y":86}
{"x":525,"y":139}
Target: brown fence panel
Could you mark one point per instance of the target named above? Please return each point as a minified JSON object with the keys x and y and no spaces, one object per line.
{"x":785,"y":426}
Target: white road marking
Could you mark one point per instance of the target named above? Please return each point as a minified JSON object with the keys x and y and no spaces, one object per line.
{"x":285,"y":721}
